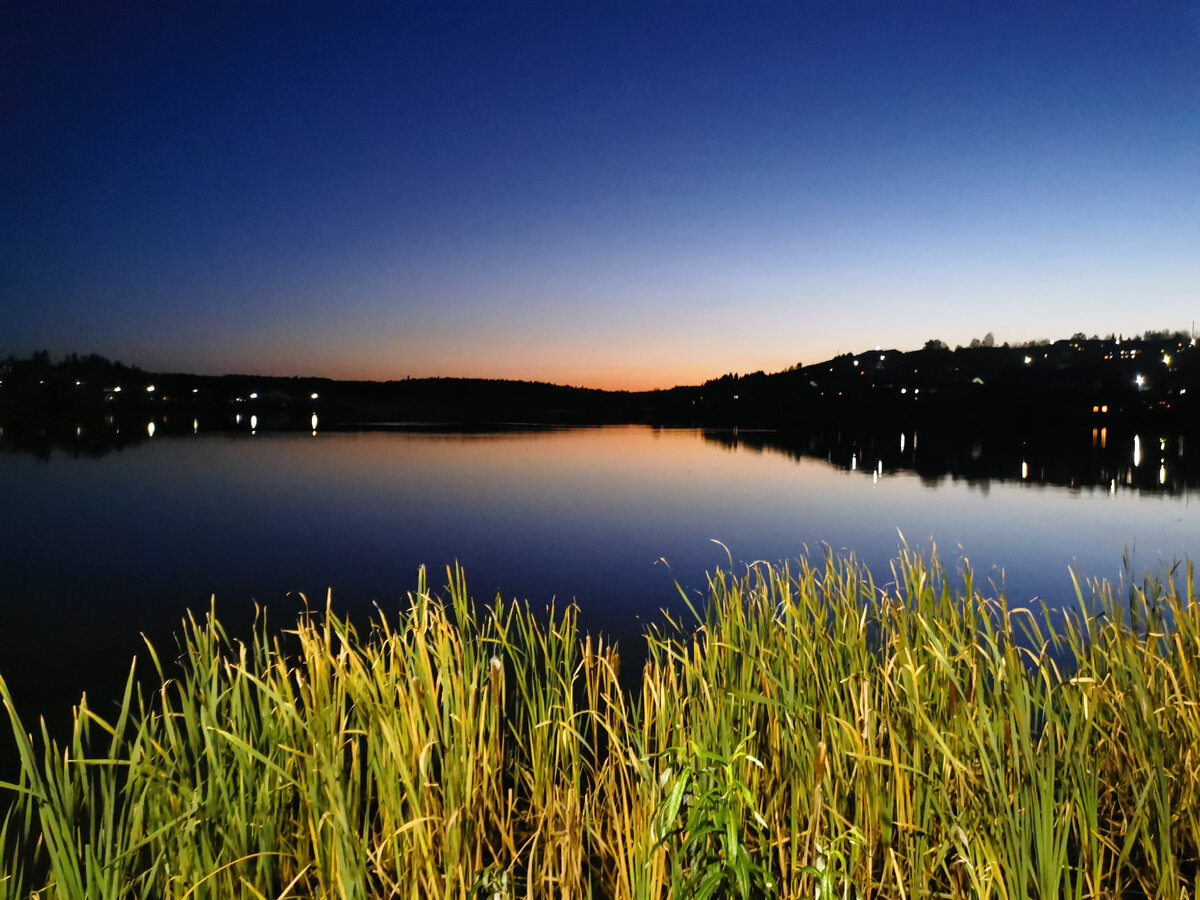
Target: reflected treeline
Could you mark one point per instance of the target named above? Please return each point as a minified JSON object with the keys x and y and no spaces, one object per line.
{"x":78,"y":441}
{"x":1117,"y":456}
{"x":96,"y":437}
{"x":1113,"y":458}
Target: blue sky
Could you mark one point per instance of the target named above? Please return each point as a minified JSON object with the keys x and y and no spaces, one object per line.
{"x":608,"y":194}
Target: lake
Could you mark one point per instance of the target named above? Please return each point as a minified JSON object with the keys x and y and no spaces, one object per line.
{"x":98,"y":547}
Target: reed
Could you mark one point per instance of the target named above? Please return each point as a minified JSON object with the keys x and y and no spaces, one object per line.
{"x":807,"y":731}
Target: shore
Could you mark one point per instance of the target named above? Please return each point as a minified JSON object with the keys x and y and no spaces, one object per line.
{"x":814,"y":727}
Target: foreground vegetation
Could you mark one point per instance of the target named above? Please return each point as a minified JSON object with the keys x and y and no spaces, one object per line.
{"x":815,"y":733}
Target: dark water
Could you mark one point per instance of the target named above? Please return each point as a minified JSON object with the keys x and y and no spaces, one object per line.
{"x":99,"y":547}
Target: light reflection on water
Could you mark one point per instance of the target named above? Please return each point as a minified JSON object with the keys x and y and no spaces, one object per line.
{"x":567,"y":499}
{"x":570,"y":513}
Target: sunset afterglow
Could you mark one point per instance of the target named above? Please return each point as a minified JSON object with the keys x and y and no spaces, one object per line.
{"x":616,"y":195}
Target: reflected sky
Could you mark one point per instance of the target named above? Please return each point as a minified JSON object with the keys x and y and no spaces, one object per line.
{"x":122,"y":544}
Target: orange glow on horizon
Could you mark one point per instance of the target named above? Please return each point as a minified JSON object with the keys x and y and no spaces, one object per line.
{"x":608,"y":378}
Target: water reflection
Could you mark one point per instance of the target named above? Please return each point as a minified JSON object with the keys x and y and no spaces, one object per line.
{"x":578,"y":514}
{"x":1075,"y":459}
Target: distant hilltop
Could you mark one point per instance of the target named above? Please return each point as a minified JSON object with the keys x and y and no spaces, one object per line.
{"x":1155,"y":377}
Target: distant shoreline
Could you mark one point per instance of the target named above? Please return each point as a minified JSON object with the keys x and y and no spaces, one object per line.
{"x":1151,"y":381}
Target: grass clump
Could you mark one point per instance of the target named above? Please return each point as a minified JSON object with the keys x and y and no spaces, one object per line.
{"x":809,"y":733}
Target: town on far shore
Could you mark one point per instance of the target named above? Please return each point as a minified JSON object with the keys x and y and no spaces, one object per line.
{"x":1153,"y":378}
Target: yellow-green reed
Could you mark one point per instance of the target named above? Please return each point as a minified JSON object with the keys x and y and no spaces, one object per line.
{"x":807,"y":731}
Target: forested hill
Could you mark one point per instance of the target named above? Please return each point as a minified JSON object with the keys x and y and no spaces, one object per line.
{"x":1156,"y":376}
{"x":82,"y":388}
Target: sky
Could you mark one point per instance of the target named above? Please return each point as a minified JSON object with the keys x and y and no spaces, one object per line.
{"x":608,"y":194}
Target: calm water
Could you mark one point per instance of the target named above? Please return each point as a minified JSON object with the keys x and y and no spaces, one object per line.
{"x":94,"y":551}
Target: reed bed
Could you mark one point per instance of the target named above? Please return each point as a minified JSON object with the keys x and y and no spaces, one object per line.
{"x":810,"y":733}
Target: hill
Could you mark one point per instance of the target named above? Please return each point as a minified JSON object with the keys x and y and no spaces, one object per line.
{"x":1154,"y":378}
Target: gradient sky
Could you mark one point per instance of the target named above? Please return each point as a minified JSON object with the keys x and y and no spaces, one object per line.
{"x":598,"y":193}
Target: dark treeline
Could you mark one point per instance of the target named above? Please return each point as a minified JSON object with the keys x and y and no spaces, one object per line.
{"x":90,"y":389}
{"x":1148,"y":381}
